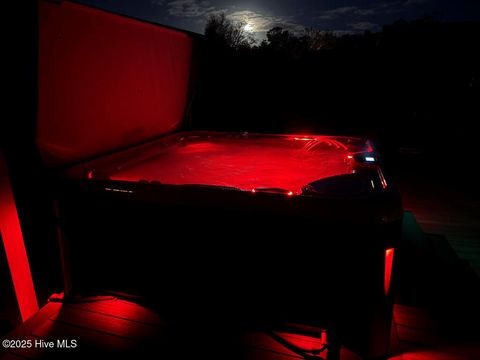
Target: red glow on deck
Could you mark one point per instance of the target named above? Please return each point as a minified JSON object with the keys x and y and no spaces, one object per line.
{"x":304,"y":342}
{"x":388,"y":268}
{"x":291,"y":344}
{"x":15,"y":248}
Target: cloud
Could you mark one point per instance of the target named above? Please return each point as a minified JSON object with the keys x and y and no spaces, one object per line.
{"x":366,"y":12}
{"x":198,"y":11}
{"x":363,"y":25}
{"x":335,"y":13}
{"x":380,"y":8}
{"x":415,"y":2}
{"x":262,"y":23}
{"x":189,"y":8}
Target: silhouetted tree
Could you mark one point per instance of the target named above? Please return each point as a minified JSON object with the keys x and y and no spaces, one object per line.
{"x":223,"y":32}
{"x":279,"y":38}
{"x":284,"y":42}
{"x":296,"y":45}
{"x":320,"y":40}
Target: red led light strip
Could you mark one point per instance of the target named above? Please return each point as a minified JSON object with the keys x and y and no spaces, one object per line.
{"x":15,"y":248}
{"x":388,"y":268}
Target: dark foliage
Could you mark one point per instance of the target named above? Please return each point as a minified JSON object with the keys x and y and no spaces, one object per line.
{"x":223,"y":33}
{"x":412,"y":87}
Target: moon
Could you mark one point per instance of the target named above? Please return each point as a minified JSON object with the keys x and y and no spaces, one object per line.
{"x":248,"y":27}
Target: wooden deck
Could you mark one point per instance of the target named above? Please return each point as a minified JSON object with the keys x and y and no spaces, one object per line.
{"x":104,"y":326}
{"x":436,"y":311}
{"x":116,"y":326}
{"x":445,"y":209}
{"x":429,"y":324}
{"x":420,"y":338}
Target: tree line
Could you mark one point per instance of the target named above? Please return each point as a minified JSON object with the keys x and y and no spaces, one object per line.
{"x":414,"y":83}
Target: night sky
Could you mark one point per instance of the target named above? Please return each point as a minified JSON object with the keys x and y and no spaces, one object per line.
{"x":341,"y":16}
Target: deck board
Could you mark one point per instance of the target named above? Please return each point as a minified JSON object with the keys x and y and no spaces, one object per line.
{"x":12,"y":357}
{"x":121,"y":309}
{"x":87,"y":338}
{"x":106,"y":324}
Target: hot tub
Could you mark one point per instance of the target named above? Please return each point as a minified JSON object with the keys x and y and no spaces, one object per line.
{"x":208,"y":227}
